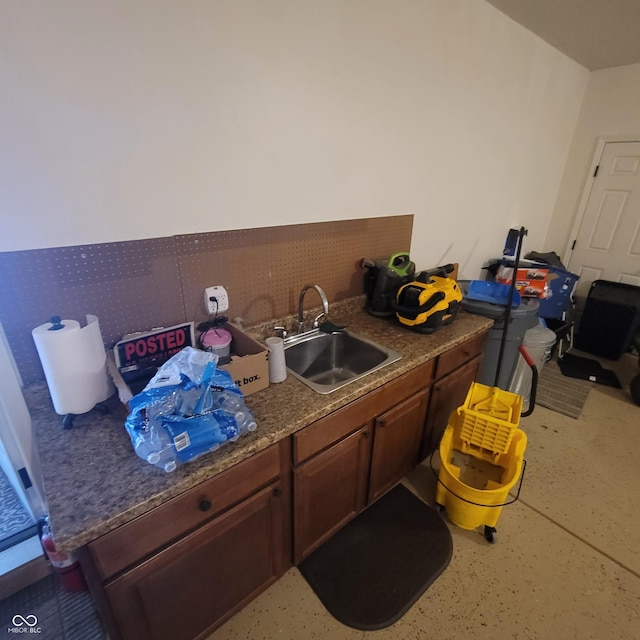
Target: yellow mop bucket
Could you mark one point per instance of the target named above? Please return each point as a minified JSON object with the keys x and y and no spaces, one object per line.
{"x":481,"y":458}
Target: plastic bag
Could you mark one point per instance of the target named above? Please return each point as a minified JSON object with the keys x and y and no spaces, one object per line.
{"x":187,"y":409}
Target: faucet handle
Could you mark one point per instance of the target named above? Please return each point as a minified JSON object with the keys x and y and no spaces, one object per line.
{"x":316,"y":321}
{"x":282,"y":330}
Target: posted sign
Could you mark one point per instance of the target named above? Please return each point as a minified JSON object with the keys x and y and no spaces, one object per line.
{"x":145,"y":351}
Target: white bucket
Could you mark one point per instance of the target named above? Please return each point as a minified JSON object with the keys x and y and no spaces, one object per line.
{"x":539,"y":342}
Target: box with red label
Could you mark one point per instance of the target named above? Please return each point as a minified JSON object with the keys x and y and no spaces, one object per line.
{"x":531,"y":278}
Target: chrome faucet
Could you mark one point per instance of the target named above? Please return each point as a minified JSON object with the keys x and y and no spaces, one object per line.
{"x":325,"y":306}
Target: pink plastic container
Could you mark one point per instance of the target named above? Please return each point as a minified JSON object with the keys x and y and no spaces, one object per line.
{"x":217,"y":341}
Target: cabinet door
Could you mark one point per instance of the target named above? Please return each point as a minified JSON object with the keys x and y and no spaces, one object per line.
{"x":200,"y":581}
{"x":329,"y":490}
{"x":396,"y":443}
{"x":446,"y":396}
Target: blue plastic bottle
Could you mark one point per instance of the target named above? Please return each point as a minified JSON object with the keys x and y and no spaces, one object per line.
{"x":234,"y":404}
{"x":158,"y":450}
{"x":200,"y":434}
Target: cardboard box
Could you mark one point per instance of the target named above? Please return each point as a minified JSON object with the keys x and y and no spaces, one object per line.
{"x":248,"y":367}
{"x":530,"y":278}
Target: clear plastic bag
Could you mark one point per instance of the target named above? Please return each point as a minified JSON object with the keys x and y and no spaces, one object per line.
{"x":187,"y":409}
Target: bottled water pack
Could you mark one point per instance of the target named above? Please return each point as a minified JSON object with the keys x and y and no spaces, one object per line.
{"x":188,"y":408}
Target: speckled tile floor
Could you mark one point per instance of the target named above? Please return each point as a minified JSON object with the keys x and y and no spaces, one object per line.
{"x":566,"y":563}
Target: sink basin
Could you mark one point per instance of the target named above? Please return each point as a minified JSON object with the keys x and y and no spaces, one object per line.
{"x":328,"y":361}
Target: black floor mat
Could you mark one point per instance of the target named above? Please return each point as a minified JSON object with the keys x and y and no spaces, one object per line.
{"x":587,"y":369}
{"x":371,"y":572}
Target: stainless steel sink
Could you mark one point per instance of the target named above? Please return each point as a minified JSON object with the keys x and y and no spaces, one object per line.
{"x":328,"y":361}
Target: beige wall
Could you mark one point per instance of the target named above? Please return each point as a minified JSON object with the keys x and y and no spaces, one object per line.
{"x":135,"y":119}
{"x":611,"y":110}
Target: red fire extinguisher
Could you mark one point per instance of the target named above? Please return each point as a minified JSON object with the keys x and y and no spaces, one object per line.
{"x":63,"y":563}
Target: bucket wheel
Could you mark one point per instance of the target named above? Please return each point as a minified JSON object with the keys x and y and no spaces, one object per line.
{"x":490,"y":533}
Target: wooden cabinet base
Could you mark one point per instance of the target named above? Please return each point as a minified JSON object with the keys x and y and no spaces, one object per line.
{"x":193,"y":586}
{"x":190,"y":585}
{"x":184,"y":568}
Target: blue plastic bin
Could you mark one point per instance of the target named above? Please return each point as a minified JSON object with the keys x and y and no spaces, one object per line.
{"x":493,"y":292}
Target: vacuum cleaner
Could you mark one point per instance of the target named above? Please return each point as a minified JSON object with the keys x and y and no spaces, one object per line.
{"x":382,"y":280}
{"x":430,"y":301}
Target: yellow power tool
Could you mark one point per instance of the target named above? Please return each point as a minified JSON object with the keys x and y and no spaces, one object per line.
{"x":431,"y":300}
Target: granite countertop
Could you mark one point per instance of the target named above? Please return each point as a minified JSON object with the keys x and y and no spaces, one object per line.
{"x":94,"y":482}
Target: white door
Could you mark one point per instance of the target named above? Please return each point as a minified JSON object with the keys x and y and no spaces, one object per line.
{"x":18,"y":452}
{"x":607,"y":244}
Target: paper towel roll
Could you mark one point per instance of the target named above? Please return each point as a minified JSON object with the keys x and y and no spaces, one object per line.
{"x":75,"y":364}
{"x":277,"y":364}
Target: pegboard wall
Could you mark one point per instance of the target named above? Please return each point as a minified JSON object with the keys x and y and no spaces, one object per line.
{"x":143,"y":284}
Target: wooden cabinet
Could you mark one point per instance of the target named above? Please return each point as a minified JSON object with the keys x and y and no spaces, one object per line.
{"x":396,"y":445}
{"x":351,"y":457}
{"x":181,"y":592}
{"x":329,"y":490}
{"x":456,"y":370}
{"x":185,"y":567}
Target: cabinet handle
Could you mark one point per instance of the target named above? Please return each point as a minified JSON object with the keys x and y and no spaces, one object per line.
{"x":365,"y":434}
{"x":277,"y":492}
{"x":204,"y":505}
{"x":382,"y":423}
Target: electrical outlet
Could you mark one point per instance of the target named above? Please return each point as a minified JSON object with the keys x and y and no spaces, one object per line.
{"x":221,"y":302}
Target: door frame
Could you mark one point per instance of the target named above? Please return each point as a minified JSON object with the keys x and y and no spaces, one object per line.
{"x":601,"y":141}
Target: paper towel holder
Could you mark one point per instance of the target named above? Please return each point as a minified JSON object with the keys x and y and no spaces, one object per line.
{"x":67,"y":420}
{"x":58,"y":326}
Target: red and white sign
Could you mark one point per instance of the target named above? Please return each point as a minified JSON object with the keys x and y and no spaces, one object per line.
{"x":154,"y":348}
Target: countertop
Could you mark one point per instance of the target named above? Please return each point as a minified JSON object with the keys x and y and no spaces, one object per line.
{"x":94,"y":482}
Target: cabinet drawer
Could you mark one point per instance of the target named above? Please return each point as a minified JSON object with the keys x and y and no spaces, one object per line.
{"x":124,"y":546}
{"x":457,"y":356}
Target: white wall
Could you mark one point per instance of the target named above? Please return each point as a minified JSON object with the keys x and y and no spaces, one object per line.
{"x":132,"y":119}
{"x":611,"y":109}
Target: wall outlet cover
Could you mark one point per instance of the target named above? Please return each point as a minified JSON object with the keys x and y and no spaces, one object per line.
{"x":221,"y":302}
